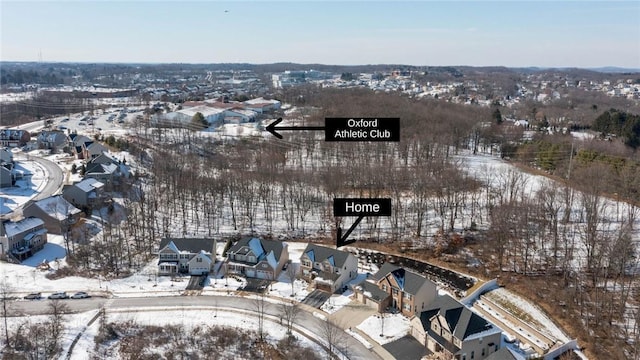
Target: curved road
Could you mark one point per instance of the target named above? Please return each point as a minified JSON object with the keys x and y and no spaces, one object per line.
{"x":54,"y":177}
{"x":304,"y":320}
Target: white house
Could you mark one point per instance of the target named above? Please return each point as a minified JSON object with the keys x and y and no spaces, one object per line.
{"x":186,"y":256}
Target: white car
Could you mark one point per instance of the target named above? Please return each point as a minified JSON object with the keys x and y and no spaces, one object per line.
{"x":59,"y":295}
{"x":80,"y":295}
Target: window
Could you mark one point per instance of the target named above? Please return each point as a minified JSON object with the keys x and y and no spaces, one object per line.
{"x":407,"y":296}
{"x":251,"y":259}
{"x":483,"y":352}
{"x":473,"y":355}
{"x":406,"y":307}
{"x":199,"y":259}
{"x":395,"y":291}
{"x":384,"y":287}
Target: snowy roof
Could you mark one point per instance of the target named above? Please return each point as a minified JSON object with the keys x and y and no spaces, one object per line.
{"x":57,"y":207}
{"x":101,"y":169}
{"x":203,"y":109}
{"x":14,"y":228}
{"x":261,"y":101}
{"x":89,"y":184}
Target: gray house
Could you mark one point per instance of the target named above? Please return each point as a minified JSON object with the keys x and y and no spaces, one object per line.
{"x":56,"y":212}
{"x":6,"y":175}
{"x":21,"y":239}
{"x":452,"y":331}
{"x":257,"y":258}
{"x":6,"y":156}
{"x":186,"y":256}
{"x":86,"y":193}
{"x":54,"y":140}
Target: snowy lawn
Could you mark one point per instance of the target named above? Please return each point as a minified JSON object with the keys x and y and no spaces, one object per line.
{"x":395,"y":327}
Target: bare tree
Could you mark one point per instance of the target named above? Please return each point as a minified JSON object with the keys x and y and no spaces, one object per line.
{"x":57,"y":311}
{"x":334,"y":337}
{"x":289,"y":312}
{"x":260,"y":307}
{"x":292,"y":274}
{"x":5,"y":296}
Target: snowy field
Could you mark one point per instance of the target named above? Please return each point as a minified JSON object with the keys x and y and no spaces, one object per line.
{"x":31,"y":179}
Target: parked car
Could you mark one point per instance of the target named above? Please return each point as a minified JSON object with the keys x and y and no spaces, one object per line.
{"x":59,"y":295}
{"x":33,"y":296}
{"x":80,"y":295}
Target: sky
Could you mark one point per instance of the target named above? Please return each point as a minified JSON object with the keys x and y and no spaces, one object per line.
{"x":431,"y":33}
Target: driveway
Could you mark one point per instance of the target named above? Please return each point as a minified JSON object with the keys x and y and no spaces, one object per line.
{"x":316,"y":298}
{"x":406,"y":348}
{"x":256,"y":285}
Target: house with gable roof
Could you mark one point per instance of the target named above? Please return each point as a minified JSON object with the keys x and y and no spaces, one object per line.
{"x":257,"y":258}
{"x":21,"y":239}
{"x":57,"y":213}
{"x":451,"y":330}
{"x":14,"y":137}
{"x":86,"y":193}
{"x":54,"y":140}
{"x":328,"y":269}
{"x":194,"y":256}
{"x":408,"y":291}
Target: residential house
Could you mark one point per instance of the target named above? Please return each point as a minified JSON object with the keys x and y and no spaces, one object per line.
{"x":57,"y":213}
{"x":257,"y":258}
{"x":407,"y":291}
{"x":194,"y":256}
{"x":452,"y":331}
{"x":14,"y":137}
{"x":77,"y":142}
{"x":23,"y":238}
{"x":86,"y":193}
{"x":6,"y":156}
{"x":7,"y":178}
{"x":108,"y":174}
{"x":91,"y":150}
{"x":327,"y":268}
{"x":53,"y":140}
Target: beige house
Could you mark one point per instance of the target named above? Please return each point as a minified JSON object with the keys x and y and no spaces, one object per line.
{"x":452,"y":331}
{"x":406,"y":291}
{"x":328,"y":269}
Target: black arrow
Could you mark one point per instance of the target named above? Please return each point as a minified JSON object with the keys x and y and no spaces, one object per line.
{"x":272,"y":128}
{"x":342,"y":240}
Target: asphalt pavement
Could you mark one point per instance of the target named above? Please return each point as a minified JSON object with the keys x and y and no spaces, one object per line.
{"x":305,"y":320}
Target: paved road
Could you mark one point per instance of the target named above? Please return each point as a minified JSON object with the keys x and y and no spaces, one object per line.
{"x":305,"y":320}
{"x":55,"y":177}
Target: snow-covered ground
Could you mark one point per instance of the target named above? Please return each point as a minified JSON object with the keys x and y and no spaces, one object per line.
{"x":31,"y":179}
{"x":542,"y":322}
{"x":385,"y":328}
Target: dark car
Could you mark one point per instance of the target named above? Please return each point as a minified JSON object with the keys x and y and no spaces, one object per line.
{"x":33,"y":296}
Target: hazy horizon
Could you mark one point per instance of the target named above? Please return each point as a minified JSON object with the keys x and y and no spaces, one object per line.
{"x":422,"y":33}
